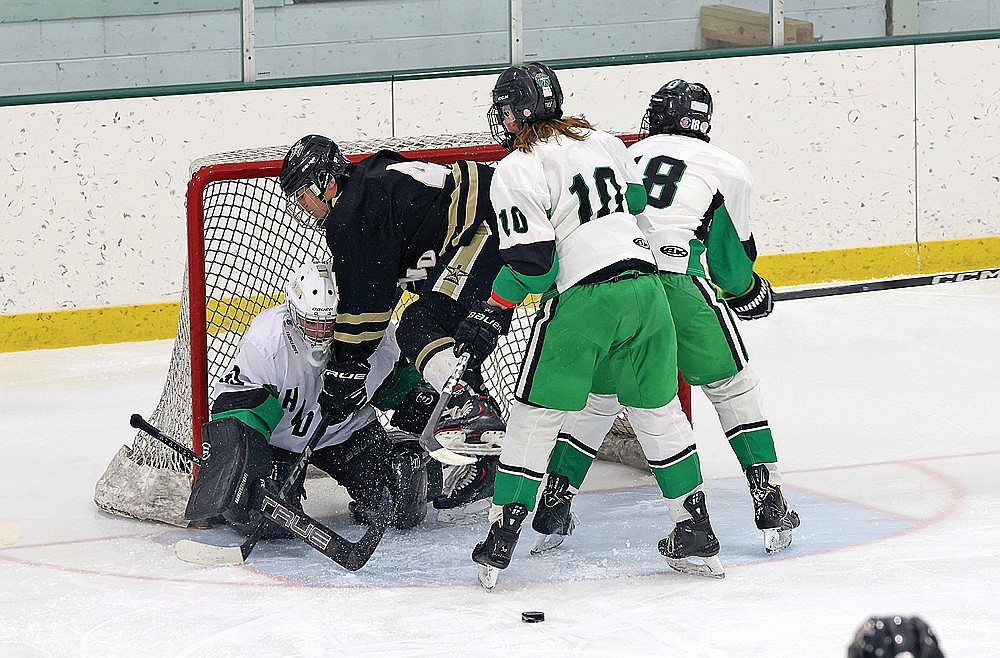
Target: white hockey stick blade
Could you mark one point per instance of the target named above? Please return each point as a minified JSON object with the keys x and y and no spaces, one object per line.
{"x":474,"y":512}
{"x":776,"y":539}
{"x":488,"y":576}
{"x":207,"y":555}
{"x":707,"y":567}
{"x":10,"y":533}
{"x":446,"y":456}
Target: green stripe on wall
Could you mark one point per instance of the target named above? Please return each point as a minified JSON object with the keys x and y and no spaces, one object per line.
{"x":118,"y":324}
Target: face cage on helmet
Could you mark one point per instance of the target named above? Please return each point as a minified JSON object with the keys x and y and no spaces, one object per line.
{"x":500,"y":134}
{"x":300,"y":214}
{"x":327,"y":327}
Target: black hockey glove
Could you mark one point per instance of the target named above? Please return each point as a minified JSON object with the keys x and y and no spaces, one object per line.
{"x":343,"y":389}
{"x":480,"y":331}
{"x":755,"y":303}
{"x":415,"y":410}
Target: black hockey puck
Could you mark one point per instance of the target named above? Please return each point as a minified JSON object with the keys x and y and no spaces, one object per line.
{"x":532,"y":616}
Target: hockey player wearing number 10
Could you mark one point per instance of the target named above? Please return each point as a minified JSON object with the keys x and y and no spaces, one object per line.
{"x":389,"y":218}
{"x":565,"y":198}
{"x":271,"y":398}
{"x":697,"y":221}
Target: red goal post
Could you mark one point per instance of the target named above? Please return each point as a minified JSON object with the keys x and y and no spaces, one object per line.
{"x":241,"y":246}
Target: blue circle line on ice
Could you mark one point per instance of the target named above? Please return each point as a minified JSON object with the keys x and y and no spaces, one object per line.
{"x":616,"y":538}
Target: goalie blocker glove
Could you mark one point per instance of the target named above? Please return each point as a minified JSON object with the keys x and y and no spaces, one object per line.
{"x":479,"y":333}
{"x":756,"y":303}
{"x":343,"y":389}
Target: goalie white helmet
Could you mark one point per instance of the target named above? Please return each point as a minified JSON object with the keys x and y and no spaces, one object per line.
{"x":311,"y":296}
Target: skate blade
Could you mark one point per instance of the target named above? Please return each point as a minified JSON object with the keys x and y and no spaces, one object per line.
{"x":488,"y":576}
{"x":547,"y":543}
{"x":706,"y":567}
{"x":776,"y":539}
{"x":489,"y":443}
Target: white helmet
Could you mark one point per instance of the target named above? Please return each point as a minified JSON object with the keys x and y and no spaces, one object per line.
{"x":311,"y":296}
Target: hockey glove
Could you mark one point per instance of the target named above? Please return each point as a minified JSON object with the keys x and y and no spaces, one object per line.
{"x":480,"y":331}
{"x":343,"y":389}
{"x":415,"y":410}
{"x":755,"y":303}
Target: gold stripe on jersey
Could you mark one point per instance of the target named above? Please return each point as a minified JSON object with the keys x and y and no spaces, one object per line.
{"x":361,"y":318}
{"x":430,"y":349}
{"x":464,"y":201}
{"x":471,"y":202}
{"x":456,"y":194}
{"x":358,"y":338}
{"x":453,"y":277}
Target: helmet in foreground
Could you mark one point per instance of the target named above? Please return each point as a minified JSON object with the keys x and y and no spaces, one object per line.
{"x":311,"y":297}
{"x":525,"y":94}
{"x":679,"y":107}
{"x":885,"y":637}
{"x":310,"y":164}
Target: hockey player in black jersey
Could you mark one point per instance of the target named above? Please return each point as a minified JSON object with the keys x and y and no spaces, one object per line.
{"x":386,"y":218}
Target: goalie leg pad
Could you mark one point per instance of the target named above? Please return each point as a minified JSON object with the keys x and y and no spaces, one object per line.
{"x":408,"y":485}
{"x":230,"y":479}
{"x":360,"y":464}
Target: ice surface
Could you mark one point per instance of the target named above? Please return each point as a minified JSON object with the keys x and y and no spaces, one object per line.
{"x":885,"y":412}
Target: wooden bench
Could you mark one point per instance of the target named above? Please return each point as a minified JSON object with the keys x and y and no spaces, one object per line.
{"x":723,"y":26}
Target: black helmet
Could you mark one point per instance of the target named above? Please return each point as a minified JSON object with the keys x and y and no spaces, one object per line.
{"x":531,"y":92}
{"x":884,"y":637}
{"x":679,"y":107}
{"x":312,"y":162}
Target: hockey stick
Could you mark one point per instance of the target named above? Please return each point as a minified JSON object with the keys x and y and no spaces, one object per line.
{"x":888,"y":284}
{"x":348,"y":554}
{"x":10,"y":533}
{"x":427,"y":439}
{"x":140,"y":423}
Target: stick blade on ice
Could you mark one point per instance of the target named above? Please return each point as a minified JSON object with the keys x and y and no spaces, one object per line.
{"x":10,"y":533}
{"x":207,"y":555}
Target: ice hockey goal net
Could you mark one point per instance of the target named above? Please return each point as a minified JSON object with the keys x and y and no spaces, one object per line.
{"x":241,"y":247}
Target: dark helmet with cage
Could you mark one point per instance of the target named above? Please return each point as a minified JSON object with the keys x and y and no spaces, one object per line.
{"x":311,"y":297}
{"x":311,"y":163}
{"x":885,"y":637}
{"x":525,"y":93}
{"x":679,"y":107}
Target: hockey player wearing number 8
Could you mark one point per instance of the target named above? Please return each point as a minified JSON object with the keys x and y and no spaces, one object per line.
{"x":565,"y":197}
{"x":274,"y":394}
{"x":387,"y":219}
{"x":697,"y":221}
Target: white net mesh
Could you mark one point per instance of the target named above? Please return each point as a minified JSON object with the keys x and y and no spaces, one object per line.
{"x":250,"y":247}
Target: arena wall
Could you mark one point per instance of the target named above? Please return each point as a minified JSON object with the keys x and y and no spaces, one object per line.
{"x":869,"y":163}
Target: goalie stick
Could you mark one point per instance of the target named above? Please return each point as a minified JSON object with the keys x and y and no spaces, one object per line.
{"x":888,"y":284}
{"x":140,"y":423}
{"x":427,"y":439}
{"x":350,"y":555}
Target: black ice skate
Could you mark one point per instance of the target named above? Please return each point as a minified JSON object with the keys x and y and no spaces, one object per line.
{"x":692,"y":547}
{"x":494,"y":553}
{"x":554,"y":519}
{"x":471,"y":424}
{"x":467,"y":484}
{"x":770,"y":510}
